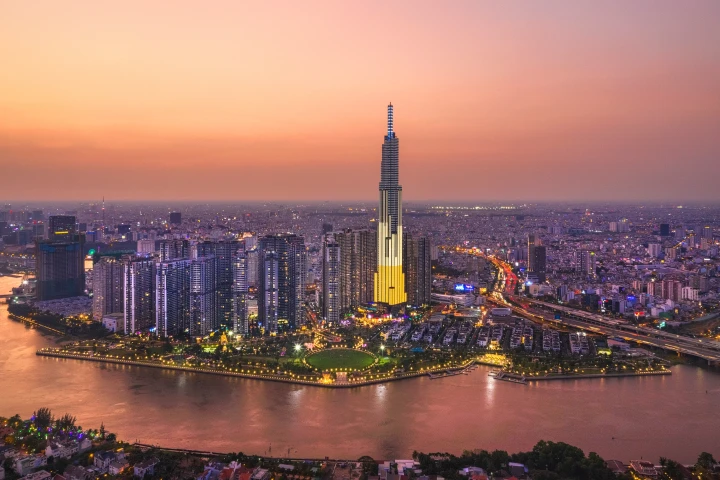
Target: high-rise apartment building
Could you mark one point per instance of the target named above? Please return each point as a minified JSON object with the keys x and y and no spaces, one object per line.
{"x":671,"y":289}
{"x":61,"y":227}
{"x":654,"y":249}
{"x":139,"y":294}
{"x":585,"y":262}
{"x":145,"y":246}
{"x":176,"y":218}
{"x":356,"y":265}
{"x":225,"y":253}
{"x":418,"y":269}
{"x":332,"y":305}
{"x":537,"y":258}
{"x":240,"y":293}
{"x":59,"y":266}
{"x":389,"y":282}
{"x":282,"y":265}
{"x":108,"y":288}
{"x":172,"y":298}
{"x":203,"y":296}
{"x":174,"y":249}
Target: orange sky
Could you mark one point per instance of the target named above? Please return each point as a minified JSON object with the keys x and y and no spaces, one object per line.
{"x":232,"y":100}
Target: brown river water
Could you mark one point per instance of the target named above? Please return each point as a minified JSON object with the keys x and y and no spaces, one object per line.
{"x":620,"y":418}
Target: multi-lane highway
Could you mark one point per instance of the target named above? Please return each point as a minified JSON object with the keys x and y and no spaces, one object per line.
{"x":545,"y":312}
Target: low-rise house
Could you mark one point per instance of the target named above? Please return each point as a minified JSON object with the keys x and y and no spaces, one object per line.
{"x":85,"y":444}
{"x":76,"y":472}
{"x":470,"y":471}
{"x":118,"y":466}
{"x":212,"y":471}
{"x":616,"y":466}
{"x":102,"y":460}
{"x":7,"y":451}
{"x":260,"y":474}
{"x":518,"y":470}
{"x":61,"y":449}
{"x":643,"y":468}
{"x":25,"y":465}
{"x":41,"y":475}
{"x":146,"y":467}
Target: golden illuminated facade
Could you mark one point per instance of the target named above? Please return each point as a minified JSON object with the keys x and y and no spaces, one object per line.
{"x":389,"y":278}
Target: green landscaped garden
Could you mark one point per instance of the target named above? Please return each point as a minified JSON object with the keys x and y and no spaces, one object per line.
{"x":343,"y":359}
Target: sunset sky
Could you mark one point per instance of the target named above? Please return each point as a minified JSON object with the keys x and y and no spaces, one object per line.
{"x":269,"y":100}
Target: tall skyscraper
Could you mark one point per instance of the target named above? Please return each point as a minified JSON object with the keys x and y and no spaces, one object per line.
{"x":172,"y":298}
{"x":424,"y":270}
{"x":59,"y":267}
{"x":240,"y":292}
{"x":418,"y":269}
{"x":332,"y":265}
{"x":139,"y":294}
{"x":537,"y":260}
{"x":108,"y":290}
{"x":389,"y":279}
{"x":349,"y":264}
{"x":282,"y":265}
{"x":203,"y":296}
{"x":225,"y":253}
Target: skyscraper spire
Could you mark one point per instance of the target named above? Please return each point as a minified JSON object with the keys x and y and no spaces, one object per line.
{"x":391,"y":132}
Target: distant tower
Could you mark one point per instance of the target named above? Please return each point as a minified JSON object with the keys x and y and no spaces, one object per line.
{"x":389,"y":279}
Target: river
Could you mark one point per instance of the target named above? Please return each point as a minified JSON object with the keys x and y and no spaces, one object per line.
{"x":648,"y":417}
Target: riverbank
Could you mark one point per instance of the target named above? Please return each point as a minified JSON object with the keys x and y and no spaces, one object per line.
{"x":49,"y":352}
{"x":523,"y":380}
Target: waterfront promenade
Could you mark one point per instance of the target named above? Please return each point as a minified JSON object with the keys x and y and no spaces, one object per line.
{"x":441,"y":372}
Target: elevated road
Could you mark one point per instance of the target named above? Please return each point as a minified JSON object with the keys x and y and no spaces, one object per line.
{"x":545,"y":312}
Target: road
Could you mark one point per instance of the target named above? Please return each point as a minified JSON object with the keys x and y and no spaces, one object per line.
{"x":505,"y":287}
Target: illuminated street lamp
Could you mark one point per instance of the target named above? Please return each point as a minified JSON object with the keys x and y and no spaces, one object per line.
{"x":382,"y":348}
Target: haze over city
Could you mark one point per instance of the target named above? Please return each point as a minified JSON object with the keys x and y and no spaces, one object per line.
{"x":280,"y":100}
{"x":337,"y":240}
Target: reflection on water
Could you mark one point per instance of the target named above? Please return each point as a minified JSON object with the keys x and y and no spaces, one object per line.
{"x":648,"y":416}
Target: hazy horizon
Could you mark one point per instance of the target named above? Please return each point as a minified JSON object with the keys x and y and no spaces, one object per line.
{"x":286,"y":102}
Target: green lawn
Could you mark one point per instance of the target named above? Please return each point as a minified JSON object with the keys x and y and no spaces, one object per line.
{"x":341,"y":359}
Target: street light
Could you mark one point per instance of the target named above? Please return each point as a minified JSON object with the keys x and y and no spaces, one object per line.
{"x":382,"y":348}
{"x":298,"y":347}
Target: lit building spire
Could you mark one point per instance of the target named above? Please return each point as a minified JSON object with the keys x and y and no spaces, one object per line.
{"x":391,"y":132}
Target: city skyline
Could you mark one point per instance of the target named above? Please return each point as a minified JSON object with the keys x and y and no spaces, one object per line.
{"x":506,"y":94}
